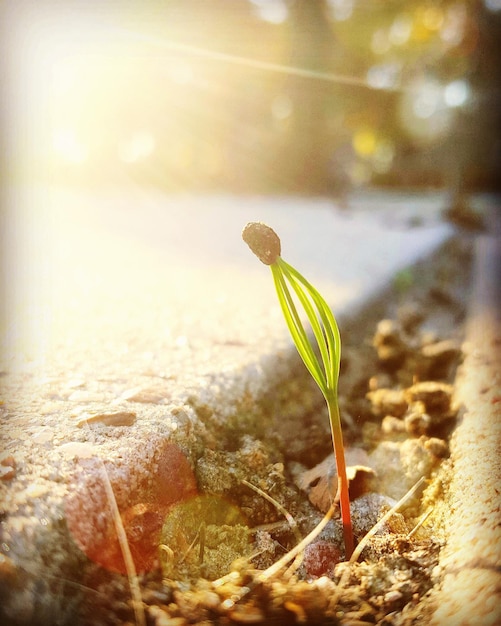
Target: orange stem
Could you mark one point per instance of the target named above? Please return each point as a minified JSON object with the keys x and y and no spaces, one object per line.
{"x":344,"y":498}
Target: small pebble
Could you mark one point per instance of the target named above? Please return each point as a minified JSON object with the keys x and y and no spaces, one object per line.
{"x":36,"y":490}
{"x":120,"y":418}
{"x":392,"y":425}
{"x":78,"y":449}
{"x":243,"y":614}
{"x":43,"y":436}
{"x":417,"y":424}
{"x":320,"y":558}
{"x":391,"y":348}
{"x":392,"y":596}
{"x":161,"y":618}
{"x":445,"y":350}
{"x":438,"y":447}
{"x":74,"y":383}
{"x":9,"y":572}
{"x":435,"y":396}
{"x":146,"y":395}
{"x":388,"y":402}
{"x":7,"y":468}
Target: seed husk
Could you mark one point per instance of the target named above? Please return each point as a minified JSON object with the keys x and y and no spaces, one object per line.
{"x":263,"y":241}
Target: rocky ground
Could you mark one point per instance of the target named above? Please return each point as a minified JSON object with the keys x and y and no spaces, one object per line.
{"x":270,"y":482}
{"x":210,"y":500}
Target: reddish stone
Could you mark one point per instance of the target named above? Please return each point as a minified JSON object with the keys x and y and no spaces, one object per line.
{"x":144,"y":491}
{"x":320,"y":558}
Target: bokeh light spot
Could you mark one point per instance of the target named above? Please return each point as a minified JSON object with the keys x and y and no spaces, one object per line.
{"x":384,"y":76}
{"x":273,"y":11}
{"x":493,"y":5}
{"x":433,"y":17}
{"x":457,"y":93}
{"x":364,"y":142}
{"x":423,"y":111}
{"x":380,"y":43}
{"x":420,"y":31}
{"x":341,"y":10}
{"x":401,"y":29}
{"x":452,"y":31}
{"x":428,"y":100}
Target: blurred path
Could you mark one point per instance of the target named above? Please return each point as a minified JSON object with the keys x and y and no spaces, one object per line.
{"x":92,"y":275}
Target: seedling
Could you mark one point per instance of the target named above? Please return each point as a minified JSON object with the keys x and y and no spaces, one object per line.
{"x":265,"y":244}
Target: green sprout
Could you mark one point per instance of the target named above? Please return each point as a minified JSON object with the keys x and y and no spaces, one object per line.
{"x":265,"y":244}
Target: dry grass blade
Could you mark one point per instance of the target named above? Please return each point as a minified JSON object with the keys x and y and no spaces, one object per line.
{"x":287,"y":558}
{"x":137,"y":601}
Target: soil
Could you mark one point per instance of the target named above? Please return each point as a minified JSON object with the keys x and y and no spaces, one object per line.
{"x":265,"y":484}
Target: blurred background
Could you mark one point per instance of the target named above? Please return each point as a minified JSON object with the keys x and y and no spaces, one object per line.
{"x":253,"y":96}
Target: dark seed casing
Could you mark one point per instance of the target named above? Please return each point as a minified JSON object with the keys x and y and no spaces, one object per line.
{"x":263,"y":241}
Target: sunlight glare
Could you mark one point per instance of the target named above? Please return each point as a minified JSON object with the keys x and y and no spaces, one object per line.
{"x":69,"y":147}
{"x":137,"y":147}
{"x":181,"y":73}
